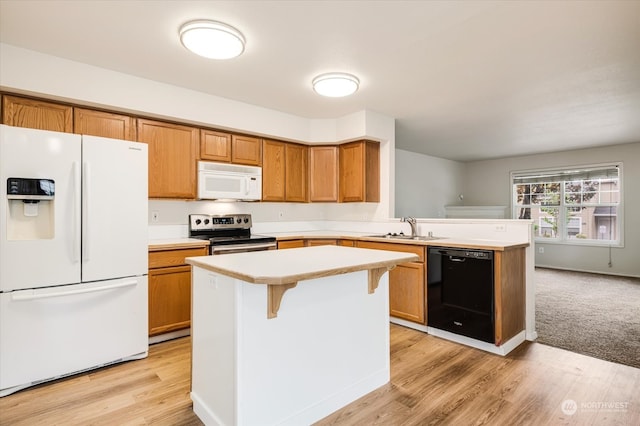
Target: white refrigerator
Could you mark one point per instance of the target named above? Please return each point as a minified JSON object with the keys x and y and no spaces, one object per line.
{"x":73,"y":254}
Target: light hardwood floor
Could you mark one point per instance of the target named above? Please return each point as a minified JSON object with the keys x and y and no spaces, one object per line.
{"x":433,"y":381}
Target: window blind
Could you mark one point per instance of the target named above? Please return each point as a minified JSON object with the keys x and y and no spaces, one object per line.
{"x":591,"y":173}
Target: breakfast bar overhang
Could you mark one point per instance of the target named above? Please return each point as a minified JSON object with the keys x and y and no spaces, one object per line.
{"x":286,"y":337}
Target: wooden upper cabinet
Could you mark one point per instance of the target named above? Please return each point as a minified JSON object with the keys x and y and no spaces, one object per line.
{"x":173,"y":151}
{"x":360,"y":171}
{"x":36,"y":114}
{"x":323,"y":173}
{"x":246,"y":150}
{"x":296,"y":173}
{"x":284,"y":171}
{"x":105,"y":124}
{"x":215,"y":146}
{"x":273,"y":171}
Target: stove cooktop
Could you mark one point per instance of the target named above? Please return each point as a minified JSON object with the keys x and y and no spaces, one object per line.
{"x":237,"y":239}
{"x":225,"y":229}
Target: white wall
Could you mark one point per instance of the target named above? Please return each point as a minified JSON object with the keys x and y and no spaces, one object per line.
{"x":37,"y":74}
{"x":175,"y":212}
{"x":488,"y":183}
{"x":424,"y":184}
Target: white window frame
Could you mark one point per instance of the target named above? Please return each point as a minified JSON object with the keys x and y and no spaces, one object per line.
{"x":562,"y":234}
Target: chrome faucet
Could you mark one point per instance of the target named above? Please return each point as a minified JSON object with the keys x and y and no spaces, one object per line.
{"x":412,"y":222}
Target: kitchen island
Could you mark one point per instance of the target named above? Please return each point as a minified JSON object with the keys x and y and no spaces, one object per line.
{"x":261,"y":356}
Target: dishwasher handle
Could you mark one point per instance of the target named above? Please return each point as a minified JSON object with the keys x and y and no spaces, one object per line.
{"x":460,"y":255}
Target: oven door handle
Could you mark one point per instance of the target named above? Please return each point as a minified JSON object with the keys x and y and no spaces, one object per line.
{"x":241,"y":247}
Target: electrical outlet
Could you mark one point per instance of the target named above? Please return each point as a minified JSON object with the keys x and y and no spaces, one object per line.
{"x":280,"y":215}
{"x":501,"y":228}
{"x":155,"y":216}
{"x":541,"y":250}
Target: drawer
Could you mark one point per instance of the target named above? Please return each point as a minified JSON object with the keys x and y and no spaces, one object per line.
{"x":287,"y":244}
{"x":165,"y":258}
{"x":405,"y":248}
{"x":347,"y":243}
{"x":322,"y":242}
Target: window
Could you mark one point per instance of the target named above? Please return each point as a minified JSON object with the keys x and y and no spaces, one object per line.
{"x":574,"y":205}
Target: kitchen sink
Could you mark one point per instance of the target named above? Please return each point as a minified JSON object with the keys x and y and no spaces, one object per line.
{"x":404,"y":237}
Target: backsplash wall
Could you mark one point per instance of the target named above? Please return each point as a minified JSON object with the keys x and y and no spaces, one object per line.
{"x":176,"y":212}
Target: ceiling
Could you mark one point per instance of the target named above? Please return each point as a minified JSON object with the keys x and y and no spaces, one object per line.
{"x":465,"y":80}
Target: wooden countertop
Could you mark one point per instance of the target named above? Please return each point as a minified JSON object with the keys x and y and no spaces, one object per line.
{"x":277,"y":267}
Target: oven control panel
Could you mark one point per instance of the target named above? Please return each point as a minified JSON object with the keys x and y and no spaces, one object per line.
{"x":204,"y":222}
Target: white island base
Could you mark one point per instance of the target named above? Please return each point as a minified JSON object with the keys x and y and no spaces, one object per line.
{"x":327,"y":346}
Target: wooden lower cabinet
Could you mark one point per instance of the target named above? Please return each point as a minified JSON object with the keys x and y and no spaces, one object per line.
{"x":406,"y":294}
{"x":322,"y":242}
{"x":170,"y":289}
{"x":287,"y":244}
{"x":310,"y":242}
{"x":407,"y":282}
{"x":169,"y":299}
{"x":510,"y":293}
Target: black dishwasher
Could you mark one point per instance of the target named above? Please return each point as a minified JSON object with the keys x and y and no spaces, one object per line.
{"x":460,"y":292}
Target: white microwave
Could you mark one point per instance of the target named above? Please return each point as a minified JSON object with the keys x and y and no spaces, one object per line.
{"x":221,"y":181}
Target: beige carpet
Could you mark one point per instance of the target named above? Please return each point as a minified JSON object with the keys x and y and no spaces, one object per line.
{"x":591,"y":314}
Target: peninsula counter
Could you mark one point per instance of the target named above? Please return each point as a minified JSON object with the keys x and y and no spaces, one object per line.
{"x":261,"y":356}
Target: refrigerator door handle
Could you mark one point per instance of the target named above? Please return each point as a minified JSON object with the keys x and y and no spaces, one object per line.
{"x":30,"y":296}
{"x":75,"y":246}
{"x":86,"y":191}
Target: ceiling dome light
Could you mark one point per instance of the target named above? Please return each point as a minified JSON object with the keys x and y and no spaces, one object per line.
{"x":335,"y":84}
{"x":212,"y":39}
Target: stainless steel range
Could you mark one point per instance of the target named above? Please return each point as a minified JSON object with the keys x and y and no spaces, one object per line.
{"x":228,"y":233}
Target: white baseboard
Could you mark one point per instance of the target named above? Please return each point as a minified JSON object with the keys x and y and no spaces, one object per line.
{"x":586,"y":271}
{"x":408,"y":324}
{"x":203,"y":412}
{"x":168,"y":336}
{"x":502,"y":350}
